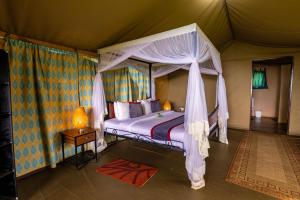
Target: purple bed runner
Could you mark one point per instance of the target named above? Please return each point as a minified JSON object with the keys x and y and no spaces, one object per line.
{"x":162,"y":131}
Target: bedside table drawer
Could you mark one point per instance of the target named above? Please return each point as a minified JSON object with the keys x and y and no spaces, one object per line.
{"x":85,"y":138}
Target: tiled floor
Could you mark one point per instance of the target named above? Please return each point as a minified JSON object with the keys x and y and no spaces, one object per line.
{"x":171,"y":182}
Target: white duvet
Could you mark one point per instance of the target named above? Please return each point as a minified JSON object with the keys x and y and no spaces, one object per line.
{"x":143,"y":125}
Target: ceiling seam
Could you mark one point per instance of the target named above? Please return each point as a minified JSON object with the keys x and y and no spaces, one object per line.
{"x":229,"y":21}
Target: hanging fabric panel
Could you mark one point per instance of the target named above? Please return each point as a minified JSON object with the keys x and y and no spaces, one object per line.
{"x":139,"y":83}
{"x":123,"y":90}
{"x":109,"y":85}
{"x":223,"y":114}
{"x":44,"y":94}
{"x":126,"y":84}
{"x":87,"y":72}
{"x":99,"y":110}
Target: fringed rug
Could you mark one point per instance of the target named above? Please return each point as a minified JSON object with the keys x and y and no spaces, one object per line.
{"x":128,"y":172}
{"x":267,"y":163}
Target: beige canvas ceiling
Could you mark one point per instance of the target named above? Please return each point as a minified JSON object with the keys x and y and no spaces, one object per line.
{"x":92,"y":24}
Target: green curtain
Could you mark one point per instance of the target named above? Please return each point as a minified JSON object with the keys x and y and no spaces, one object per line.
{"x":126,"y":84}
{"x":259,"y":79}
{"x":44,"y":94}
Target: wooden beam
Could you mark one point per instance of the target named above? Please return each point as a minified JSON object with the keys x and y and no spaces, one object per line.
{"x":48,"y":44}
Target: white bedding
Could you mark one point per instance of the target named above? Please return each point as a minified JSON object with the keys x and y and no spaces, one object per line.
{"x":143,"y":125}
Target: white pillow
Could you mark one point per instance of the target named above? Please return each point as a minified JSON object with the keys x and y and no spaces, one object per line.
{"x":116,"y":110}
{"x":122,"y":111}
{"x":146,"y":106}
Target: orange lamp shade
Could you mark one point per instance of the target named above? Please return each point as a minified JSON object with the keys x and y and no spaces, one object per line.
{"x":167,"y":105}
{"x":80,"y":118}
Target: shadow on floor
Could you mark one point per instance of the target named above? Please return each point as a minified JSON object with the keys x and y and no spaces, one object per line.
{"x":268,"y":125}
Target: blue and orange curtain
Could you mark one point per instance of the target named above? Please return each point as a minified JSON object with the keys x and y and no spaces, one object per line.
{"x":126,"y":84}
{"x":87,"y":71}
{"x":47,"y":85}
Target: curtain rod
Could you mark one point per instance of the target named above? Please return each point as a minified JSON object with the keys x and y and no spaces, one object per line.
{"x":5,"y":35}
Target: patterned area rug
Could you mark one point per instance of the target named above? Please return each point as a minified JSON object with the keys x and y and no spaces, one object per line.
{"x":128,"y":172}
{"x":267,"y":163}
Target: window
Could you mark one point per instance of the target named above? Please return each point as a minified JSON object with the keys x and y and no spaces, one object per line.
{"x":259,"y":80}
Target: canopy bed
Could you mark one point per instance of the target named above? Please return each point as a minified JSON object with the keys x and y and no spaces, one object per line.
{"x":182,"y":48}
{"x":163,"y":127}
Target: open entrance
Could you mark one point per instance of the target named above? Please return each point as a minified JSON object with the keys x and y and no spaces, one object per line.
{"x":271,"y":94}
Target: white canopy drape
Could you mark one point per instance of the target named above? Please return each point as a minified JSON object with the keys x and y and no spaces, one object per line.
{"x":186,"y":48}
{"x":99,"y":110}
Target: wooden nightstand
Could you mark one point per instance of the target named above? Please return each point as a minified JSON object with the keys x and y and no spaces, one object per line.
{"x":79,"y":138}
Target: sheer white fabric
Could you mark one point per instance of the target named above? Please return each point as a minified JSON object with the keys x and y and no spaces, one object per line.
{"x":196,"y":125}
{"x":110,"y":60}
{"x":139,"y":66}
{"x":187,"y":50}
{"x":223,"y":109}
{"x":98,"y":111}
{"x":165,"y":69}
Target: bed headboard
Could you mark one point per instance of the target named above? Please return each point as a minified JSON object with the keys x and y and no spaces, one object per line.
{"x":110,"y":110}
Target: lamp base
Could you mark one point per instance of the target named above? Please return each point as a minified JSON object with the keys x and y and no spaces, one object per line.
{"x":81,"y":130}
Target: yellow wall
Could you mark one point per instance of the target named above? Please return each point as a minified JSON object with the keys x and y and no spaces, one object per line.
{"x":162,"y":88}
{"x":237,"y":75}
{"x":267,"y":100}
{"x":173,"y":87}
{"x":284,"y":93}
{"x":237,"y":65}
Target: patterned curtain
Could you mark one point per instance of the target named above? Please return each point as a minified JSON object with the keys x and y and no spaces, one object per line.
{"x":108,"y":79}
{"x":87,"y":71}
{"x":139,"y":84}
{"x":126,"y":84}
{"x":44,"y":94}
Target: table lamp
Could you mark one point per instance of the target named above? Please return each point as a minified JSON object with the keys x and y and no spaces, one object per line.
{"x":167,"y":105}
{"x":80,"y":119}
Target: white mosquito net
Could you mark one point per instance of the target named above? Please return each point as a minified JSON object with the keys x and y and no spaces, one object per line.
{"x":183,"y":48}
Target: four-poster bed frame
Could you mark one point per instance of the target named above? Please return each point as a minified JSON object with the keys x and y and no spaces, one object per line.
{"x":214,"y":131}
{"x":182,"y":48}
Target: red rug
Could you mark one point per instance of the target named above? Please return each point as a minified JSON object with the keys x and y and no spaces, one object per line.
{"x":128,"y":172}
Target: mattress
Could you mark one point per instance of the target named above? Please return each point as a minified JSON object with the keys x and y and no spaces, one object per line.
{"x":140,"y":127}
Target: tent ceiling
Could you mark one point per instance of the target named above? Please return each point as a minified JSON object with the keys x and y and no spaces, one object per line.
{"x":268,"y":22}
{"x":95,"y":24}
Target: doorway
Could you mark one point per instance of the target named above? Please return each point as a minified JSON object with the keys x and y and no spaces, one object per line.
{"x":271,"y":95}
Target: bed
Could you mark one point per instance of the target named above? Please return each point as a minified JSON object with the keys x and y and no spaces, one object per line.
{"x":182,"y":48}
{"x":141,"y":128}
